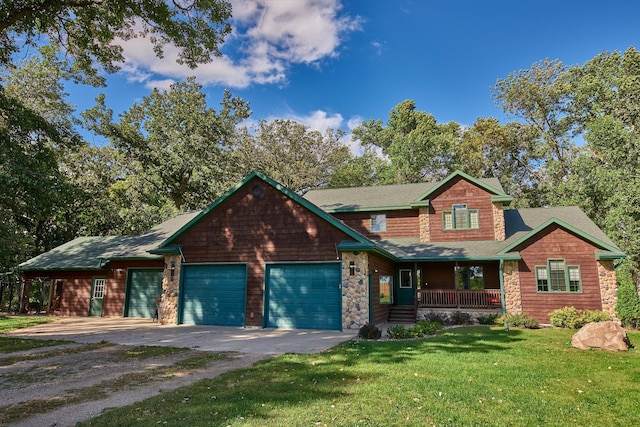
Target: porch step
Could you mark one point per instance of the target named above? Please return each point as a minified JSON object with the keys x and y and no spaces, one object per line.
{"x":402,"y":314}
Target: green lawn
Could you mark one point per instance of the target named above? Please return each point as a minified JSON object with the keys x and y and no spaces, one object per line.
{"x":10,"y":344}
{"x":467,"y":376}
{"x":9,"y":323}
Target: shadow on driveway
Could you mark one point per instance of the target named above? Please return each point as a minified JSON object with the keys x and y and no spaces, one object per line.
{"x":134,"y":331}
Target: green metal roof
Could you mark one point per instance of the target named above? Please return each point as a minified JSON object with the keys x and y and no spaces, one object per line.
{"x":522,"y":224}
{"x":91,"y":252}
{"x":391,"y":197}
{"x":413,"y":250}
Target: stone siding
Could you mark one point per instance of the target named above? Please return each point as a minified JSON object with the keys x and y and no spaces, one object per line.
{"x":498,"y":221}
{"x":608,"y":286}
{"x":355,"y":290}
{"x":168,"y":313}
{"x":511,"y":279}
{"x":425,"y":231}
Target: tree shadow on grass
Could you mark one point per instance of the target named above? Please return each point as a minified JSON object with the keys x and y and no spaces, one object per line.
{"x":456,"y":340}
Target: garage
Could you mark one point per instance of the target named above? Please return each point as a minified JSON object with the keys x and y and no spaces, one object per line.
{"x":304,"y":296}
{"x":214,"y":294}
{"x":143,"y":287}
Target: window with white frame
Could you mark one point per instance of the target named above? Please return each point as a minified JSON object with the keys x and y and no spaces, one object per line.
{"x":557,"y":276}
{"x":378,"y":223}
{"x":460,"y":217}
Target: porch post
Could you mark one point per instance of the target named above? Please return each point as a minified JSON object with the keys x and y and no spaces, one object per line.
{"x":502,"y":295}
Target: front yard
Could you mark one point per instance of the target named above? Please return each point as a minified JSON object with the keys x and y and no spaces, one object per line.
{"x":465,"y":376}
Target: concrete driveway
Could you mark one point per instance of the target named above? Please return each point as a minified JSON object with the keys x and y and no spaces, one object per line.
{"x":132,"y":331}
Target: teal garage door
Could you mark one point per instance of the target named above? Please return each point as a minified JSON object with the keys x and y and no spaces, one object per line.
{"x":304,"y":296}
{"x":214,"y":294}
{"x":143,"y":287}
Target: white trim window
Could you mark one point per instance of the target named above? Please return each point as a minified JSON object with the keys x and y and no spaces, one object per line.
{"x":378,"y":223}
{"x":559,"y":277}
{"x":460,"y":217}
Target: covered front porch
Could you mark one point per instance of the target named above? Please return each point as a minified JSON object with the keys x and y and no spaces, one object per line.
{"x":457,"y":285}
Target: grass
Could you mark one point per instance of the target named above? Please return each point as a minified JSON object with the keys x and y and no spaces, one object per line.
{"x":11,"y":344}
{"x":467,"y":376}
{"x":9,"y":323}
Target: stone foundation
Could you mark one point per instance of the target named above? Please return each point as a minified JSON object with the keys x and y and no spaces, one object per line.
{"x":447,"y":315}
{"x":168,"y":313}
{"x":355,"y":290}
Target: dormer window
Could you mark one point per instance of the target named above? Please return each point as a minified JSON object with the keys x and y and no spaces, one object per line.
{"x":378,"y":223}
{"x":460,"y":218}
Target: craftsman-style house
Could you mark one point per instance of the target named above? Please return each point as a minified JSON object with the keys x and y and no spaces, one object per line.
{"x":262,"y":255}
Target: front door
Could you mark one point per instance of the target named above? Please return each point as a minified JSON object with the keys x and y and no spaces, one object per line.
{"x":406,"y":290}
{"x":97,"y":295}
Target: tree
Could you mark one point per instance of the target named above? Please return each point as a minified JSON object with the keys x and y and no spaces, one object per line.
{"x":293,"y":154}
{"x":360,"y":171}
{"x":418,"y":147}
{"x":507,"y":152}
{"x":181,"y":147}
{"x":540,"y":96}
{"x":88,"y":30}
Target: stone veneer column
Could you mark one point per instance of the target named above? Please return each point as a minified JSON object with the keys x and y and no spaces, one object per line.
{"x":608,"y":286}
{"x":355,"y":290}
{"x":425,"y":230}
{"x":498,"y":221}
{"x":511,"y":281}
{"x":168,"y":313}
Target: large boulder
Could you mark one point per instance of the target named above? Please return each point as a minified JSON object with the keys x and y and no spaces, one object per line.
{"x":605,"y":335}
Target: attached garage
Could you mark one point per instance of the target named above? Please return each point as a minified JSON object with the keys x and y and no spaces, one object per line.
{"x":143,"y":287}
{"x":213,"y":294}
{"x":303,"y":296}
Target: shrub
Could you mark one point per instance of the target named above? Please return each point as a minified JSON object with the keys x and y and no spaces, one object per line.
{"x":397,"y":332}
{"x":460,"y":318}
{"x":488,"y":320}
{"x":531,"y":323}
{"x":595,"y":316}
{"x":565,"y":317}
{"x":515,"y":320}
{"x":419,"y":330}
{"x":628,"y":306}
{"x":369,"y":332}
{"x":427,"y":327}
{"x":432,"y":316}
{"x":572,"y":318}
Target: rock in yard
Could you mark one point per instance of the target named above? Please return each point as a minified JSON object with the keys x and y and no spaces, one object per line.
{"x":605,"y":335}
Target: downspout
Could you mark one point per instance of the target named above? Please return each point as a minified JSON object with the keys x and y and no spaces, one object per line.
{"x":502,"y":295}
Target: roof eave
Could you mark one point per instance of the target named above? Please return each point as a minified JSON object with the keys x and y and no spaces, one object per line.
{"x":567,"y":227}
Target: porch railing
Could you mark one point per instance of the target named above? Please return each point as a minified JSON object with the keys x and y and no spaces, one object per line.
{"x":453,"y":298}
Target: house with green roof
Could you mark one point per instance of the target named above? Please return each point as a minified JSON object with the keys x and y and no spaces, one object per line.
{"x":262,"y":255}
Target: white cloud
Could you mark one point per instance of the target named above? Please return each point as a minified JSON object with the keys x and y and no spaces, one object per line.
{"x":269,"y":37}
{"x":320,"y":120}
{"x":163,"y":85}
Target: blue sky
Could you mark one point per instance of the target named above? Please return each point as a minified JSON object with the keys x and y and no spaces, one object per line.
{"x":335,"y":63}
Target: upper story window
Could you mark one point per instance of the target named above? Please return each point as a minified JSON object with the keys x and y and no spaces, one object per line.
{"x":378,"y":223}
{"x":557,"y":276}
{"x":460,"y":218}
